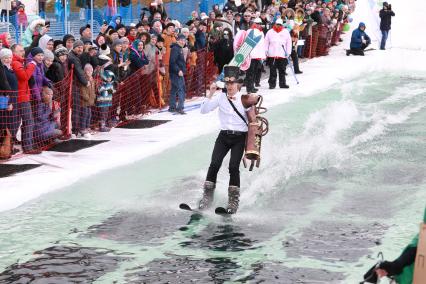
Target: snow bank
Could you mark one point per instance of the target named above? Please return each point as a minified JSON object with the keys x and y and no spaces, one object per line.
{"x":130,"y":145}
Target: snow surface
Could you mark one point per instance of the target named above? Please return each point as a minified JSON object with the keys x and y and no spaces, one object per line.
{"x":408,"y":55}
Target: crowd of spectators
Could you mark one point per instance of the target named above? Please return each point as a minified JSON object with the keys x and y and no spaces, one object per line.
{"x":162,"y":49}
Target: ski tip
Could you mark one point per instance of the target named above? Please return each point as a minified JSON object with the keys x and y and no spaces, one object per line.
{"x":185,"y":206}
{"x":221,"y":211}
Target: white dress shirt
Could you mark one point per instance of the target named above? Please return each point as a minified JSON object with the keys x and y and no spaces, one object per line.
{"x":229,"y":119}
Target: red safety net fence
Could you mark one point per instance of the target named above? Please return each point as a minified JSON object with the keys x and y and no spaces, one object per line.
{"x":70,"y":108}
{"x":36,"y":117}
{"x":319,"y":39}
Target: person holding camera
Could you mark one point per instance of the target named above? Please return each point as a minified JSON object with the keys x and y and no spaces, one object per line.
{"x":386,"y":15}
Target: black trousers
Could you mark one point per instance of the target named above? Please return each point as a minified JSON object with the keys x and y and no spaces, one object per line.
{"x":253,"y":73}
{"x":295,"y":60}
{"x":224,"y":143}
{"x":280,"y":65}
{"x":358,"y":51}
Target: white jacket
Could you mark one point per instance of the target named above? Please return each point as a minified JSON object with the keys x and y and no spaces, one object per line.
{"x":259,"y":51}
{"x":276,"y":43}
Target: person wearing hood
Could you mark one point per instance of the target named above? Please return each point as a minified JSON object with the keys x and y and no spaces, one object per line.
{"x":359,"y":41}
{"x":257,"y":55}
{"x":177,"y":69}
{"x":138,"y":58}
{"x":68,"y":41}
{"x":46,"y":42}
{"x":386,"y":15}
{"x":5,"y":40}
{"x":115,"y":20}
{"x":278,"y":49}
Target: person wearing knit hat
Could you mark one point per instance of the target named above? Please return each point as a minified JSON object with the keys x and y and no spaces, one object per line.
{"x":116,"y":42}
{"x":5,"y":52}
{"x":77,"y":43}
{"x":61,"y":51}
{"x":56,"y":71}
{"x":35,"y":51}
{"x":48,"y":55}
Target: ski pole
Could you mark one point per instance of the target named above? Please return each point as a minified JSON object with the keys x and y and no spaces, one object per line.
{"x":291,"y":65}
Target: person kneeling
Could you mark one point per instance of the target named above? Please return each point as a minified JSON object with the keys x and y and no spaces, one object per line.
{"x":359,"y":41}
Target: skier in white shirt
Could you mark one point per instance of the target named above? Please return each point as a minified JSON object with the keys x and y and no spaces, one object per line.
{"x":232,"y":136}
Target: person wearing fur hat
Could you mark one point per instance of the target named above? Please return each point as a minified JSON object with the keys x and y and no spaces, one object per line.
{"x":232,"y":137}
{"x":35,"y":27}
{"x":46,"y":42}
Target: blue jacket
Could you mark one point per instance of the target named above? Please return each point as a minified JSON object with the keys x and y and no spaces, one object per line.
{"x":177,"y":61}
{"x":356,"y":39}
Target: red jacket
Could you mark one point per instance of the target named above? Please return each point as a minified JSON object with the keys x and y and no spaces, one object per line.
{"x":23,"y":74}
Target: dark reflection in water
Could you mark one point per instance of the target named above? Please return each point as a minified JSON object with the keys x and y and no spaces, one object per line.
{"x":335,"y":241}
{"x":63,"y":264}
{"x":230,"y":237}
{"x":278,"y":273}
{"x":147,"y":228}
{"x":184,"y":269}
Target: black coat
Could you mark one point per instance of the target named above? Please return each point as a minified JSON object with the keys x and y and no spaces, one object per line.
{"x":223,"y":51}
{"x":55,"y":73}
{"x":4,"y":84}
{"x":79,"y":75}
{"x":177,"y":61}
{"x":386,"y":19}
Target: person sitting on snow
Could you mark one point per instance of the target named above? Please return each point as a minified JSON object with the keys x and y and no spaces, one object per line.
{"x":359,"y":41}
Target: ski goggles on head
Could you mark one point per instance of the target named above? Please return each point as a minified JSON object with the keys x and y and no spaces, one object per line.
{"x":230,"y":80}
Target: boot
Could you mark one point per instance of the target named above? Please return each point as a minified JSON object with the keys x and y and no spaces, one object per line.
{"x":208,"y":195}
{"x":233,"y":199}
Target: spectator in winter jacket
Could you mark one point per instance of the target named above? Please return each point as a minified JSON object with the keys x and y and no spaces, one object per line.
{"x":359,"y":41}
{"x":9,"y":82}
{"x":5,"y":39}
{"x":88,"y":96}
{"x":386,"y":15}
{"x":137,"y":56}
{"x":200,"y":36}
{"x":68,"y":41}
{"x":46,"y":42}
{"x":278,"y":49}
{"x":157,"y":6}
{"x":79,"y":80}
{"x":257,"y":55}
{"x":177,"y":72}
{"x":23,"y":74}
{"x":46,"y":127}
{"x":230,"y":6}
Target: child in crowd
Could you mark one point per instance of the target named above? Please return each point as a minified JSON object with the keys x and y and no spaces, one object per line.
{"x":104,"y":98}
{"x":46,"y":126}
{"x":88,"y":95}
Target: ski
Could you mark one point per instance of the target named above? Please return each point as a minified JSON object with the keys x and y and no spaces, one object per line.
{"x":221,"y":211}
{"x":186,"y":207}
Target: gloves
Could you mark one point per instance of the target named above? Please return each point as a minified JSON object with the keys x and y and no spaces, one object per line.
{"x":371,"y":275}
